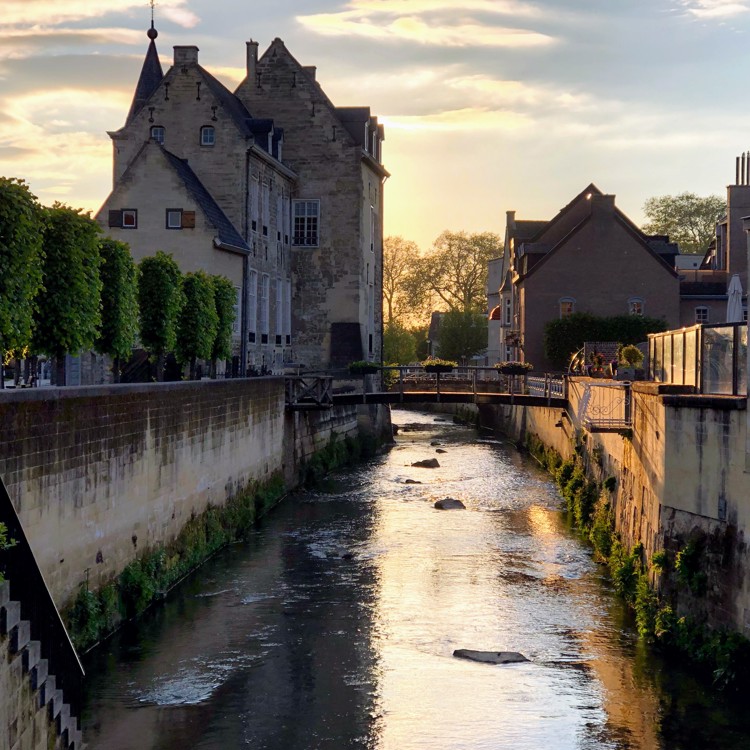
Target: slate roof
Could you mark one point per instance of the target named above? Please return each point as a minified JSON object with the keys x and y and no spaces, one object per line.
{"x":231,"y":104}
{"x":354,"y":119}
{"x":150,"y":78}
{"x":703,"y":288}
{"x":224,"y":228}
{"x":526,"y":229}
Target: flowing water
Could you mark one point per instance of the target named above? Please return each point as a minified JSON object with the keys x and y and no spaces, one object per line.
{"x":334,"y":626}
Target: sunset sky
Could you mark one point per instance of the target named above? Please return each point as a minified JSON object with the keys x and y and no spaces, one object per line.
{"x":489,"y":105}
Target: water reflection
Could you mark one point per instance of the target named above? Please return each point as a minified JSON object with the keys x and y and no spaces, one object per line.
{"x":334,"y":627}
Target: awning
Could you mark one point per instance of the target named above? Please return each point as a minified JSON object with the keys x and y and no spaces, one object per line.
{"x":496,"y":313}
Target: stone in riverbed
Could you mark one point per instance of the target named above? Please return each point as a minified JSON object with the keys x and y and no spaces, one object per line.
{"x":427,"y":463}
{"x":412,"y":481}
{"x":450,"y":503}
{"x":440,"y":450}
{"x":490,"y":657}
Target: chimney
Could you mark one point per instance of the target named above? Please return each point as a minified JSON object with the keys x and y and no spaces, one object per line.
{"x":185,"y":56}
{"x":311,"y":70}
{"x":252,"y":60}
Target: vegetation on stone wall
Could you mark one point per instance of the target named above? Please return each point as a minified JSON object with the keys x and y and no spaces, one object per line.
{"x":336,"y":453}
{"x":94,"y":615}
{"x":722,"y":654}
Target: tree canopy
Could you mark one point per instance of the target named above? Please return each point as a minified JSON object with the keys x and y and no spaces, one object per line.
{"x":159,"y":302}
{"x":687,"y":218}
{"x":399,"y":345}
{"x":399,"y":257}
{"x":21,"y":261}
{"x":197,"y":321}
{"x":462,"y":335}
{"x":68,"y":306}
{"x":225,"y":298}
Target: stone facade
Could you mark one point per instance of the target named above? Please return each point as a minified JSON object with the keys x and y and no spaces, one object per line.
{"x":286,"y":202}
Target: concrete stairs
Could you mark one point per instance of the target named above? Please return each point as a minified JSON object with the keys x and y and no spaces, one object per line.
{"x":26,"y":666}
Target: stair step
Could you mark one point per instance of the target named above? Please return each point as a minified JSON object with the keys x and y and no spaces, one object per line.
{"x":4,"y":593}
{"x":10,"y":616}
{"x":39,"y":673}
{"x":31,"y":655}
{"x":55,"y":704}
{"x":47,"y":690}
{"x":20,"y":636}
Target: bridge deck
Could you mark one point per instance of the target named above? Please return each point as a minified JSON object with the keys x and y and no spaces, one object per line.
{"x":447,"y":397}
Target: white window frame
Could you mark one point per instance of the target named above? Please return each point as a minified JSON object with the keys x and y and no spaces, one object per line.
{"x":171,"y":214}
{"x":132,"y":214}
{"x":288,"y":312}
{"x":263,"y":323}
{"x":636,"y":306}
{"x":508,"y":311}
{"x":566,"y":301}
{"x":208,"y":136}
{"x":702,"y":314}
{"x":158,"y":133}
{"x":252,"y":304}
{"x":279,"y":332}
{"x":306,"y":222}
{"x":237,"y":309}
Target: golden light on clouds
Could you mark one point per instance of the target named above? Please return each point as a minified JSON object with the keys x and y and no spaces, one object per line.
{"x":715,"y":9}
{"x":458,"y":120}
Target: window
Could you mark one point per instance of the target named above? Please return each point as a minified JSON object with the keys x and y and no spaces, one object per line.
{"x":252,"y":305}
{"x":288,"y":312}
{"x":129,"y":218}
{"x":701,"y":315}
{"x":306,"y":218}
{"x":567,"y":306}
{"x":635,"y":306}
{"x":508,"y":309}
{"x":265,"y":284}
{"x":208,"y":135}
{"x":279,"y":311}
{"x":174,"y":218}
{"x":157,"y":133}
{"x":236,"y":310}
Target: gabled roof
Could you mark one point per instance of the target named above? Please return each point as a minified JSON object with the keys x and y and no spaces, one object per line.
{"x":149,"y":80}
{"x":231,"y":104}
{"x":225,"y":230}
{"x":590,"y":189}
{"x":525,"y":229}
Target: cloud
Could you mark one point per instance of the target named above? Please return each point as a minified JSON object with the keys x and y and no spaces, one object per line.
{"x":55,"y":12}
{"x":23,"y":43}
{"x":469,"y":119}
{"x":715,"y":9}
{"x":444,"y":23}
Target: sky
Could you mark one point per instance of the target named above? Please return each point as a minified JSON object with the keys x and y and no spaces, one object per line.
{"x":488,"y":105}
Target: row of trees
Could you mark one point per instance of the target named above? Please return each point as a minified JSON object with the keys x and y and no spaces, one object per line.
{"x":450,"y":277}
{"x":64,"y":289}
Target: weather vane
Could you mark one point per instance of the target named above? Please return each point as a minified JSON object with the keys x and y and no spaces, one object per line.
{"x":152,"y":3}
{"x":152,"y":33}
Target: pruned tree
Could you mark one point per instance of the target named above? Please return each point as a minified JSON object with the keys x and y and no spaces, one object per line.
{"x":399,"y":344}
{"x":119,"y":327}
{"x":454,"y":270}
{"x":160,"y":300}
{"x":21,"y":259}
{"x":462,"y":335}
{"x":225,"y":299}
{"x":197,"y":321}
{"x":399,"y":259}
{"x":687,"y":218}
{"x":68,"y":309}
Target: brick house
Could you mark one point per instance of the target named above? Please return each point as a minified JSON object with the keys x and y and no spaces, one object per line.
{"x":260,"y":199}
{"x":589,"y":258}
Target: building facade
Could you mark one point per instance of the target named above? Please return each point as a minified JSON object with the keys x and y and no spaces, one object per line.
{"x":233,"y":184}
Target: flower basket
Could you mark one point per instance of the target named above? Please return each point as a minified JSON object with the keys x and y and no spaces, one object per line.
{"x":439,"y":365}
{"x":438,"y":368}
{"x":514,"y":368}
{"x":363,"y":368}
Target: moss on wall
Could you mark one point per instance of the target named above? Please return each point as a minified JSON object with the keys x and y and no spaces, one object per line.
{"x":720,"y":654}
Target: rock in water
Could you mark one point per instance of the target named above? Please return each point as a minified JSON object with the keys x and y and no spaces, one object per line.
{"x":450,"y":503}
{"x":440,"y":450}
{"x":412,"y":481}
{"x":427,"y":463}
{"x":490,"y":657}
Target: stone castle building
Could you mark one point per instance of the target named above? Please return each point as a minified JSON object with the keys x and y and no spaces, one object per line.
{"x":273,"y":187}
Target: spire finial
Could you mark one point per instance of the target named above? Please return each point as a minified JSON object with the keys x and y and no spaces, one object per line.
{"x":152,"y":33}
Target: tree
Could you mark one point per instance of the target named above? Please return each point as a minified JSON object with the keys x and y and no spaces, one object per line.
{"x":687,"y":218}
{"x":462,"y":335}
{"x":399,"y":345}
{"x":119,"y":327}
{"x":21,"y":259}
{"x":399,"y":257}
{"x":68,"y":311}
{"x":454,"y":270}
{"x":197,"y":321}
{"x":225,"y":299}
{"x":159,"y":303}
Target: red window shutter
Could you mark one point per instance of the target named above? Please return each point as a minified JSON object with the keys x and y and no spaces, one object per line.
{"x":188,"y":219}
{"x":115,"y":218}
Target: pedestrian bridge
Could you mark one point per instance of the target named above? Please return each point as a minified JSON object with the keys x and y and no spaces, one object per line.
{"x":414,"y":385}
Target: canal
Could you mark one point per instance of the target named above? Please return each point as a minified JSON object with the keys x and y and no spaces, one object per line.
{"x":333,"y":627}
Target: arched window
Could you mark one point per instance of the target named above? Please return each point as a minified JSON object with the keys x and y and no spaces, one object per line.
{"x":701,"y":315}
{"x":567,"y":306}
{"x":635,"y":306}
{"x":157,"y":133}
{"x":208,"y":135}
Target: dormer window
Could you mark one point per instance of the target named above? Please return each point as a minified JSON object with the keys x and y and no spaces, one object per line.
{"x":208,"y":135}
{"x":157,"y":133}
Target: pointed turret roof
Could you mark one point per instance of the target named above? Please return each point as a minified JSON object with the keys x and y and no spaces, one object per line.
{"x":151,"y":75}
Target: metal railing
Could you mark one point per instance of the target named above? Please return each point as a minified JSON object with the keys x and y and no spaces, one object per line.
{"x":712,"y":358}
{"x":601,"y":406}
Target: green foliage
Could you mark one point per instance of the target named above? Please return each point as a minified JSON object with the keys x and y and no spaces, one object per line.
{"x":399,"y":344}
{"x":399,"y":256}
{"x":631,"y":355}
{"x":660,"y":560}
{"x":610,"y":483}
{"x":688,"y":566}
{"x":119,"y":276}
{"x":225,"y":299}
{"x":337,"y":453}
{"x":520,"y":366}
{"x":437,"y":362}
{"x":687,"y":218}
{"x":21,"y":261}
{"x":197,"y":321}
{"x":602,"y":530}
{"x":362,"y":366}
{"x":565,"y":336}
{"x":68,"y":312}
{"x":5,"y":544}
{"x":462,"y":334}
{"x":625,"y":569}
{"x":548,"y":457}
{"x":646,"y":607}
{"x":160,"y":300}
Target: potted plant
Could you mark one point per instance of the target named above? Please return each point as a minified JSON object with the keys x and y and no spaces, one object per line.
{"x":433,"y":364}
{"x":514,"y":368}
{"x":596,"y":365}
{"x":363,"y":367}
{"x":631,"y":359}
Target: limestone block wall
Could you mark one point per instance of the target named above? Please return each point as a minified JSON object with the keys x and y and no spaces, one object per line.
{"x":98,"y":474}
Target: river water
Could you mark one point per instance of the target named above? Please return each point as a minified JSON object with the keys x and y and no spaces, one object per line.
{"x":334,"y":625}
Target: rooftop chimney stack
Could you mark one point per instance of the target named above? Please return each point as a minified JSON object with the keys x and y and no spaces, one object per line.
{"x":252,"y":60}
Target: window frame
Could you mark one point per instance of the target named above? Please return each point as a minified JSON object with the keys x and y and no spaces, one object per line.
{"x":566,"y":301}
{"x":207,"y":129}
{"x":309,"y":234}
{"x":129,"y":211}
{"x":152,"y":131}
{"x":632,"y":301}
{"x":177,"y":211}
{"x":702,"y":309}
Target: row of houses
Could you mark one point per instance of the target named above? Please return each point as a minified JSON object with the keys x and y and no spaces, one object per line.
{"x":270,"y":185}
{"x":592,"y":258}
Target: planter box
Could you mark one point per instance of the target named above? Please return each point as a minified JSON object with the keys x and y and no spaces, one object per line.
{"x":438,"y":368}
{"x":510,"y":370}
{"x":371,"y":370}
